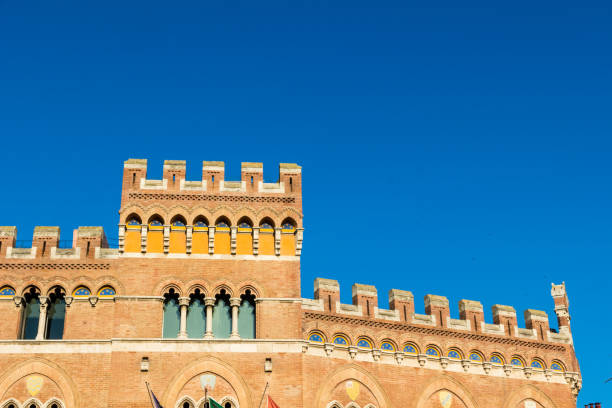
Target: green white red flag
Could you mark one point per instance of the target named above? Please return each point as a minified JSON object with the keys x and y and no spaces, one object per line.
{"x":271,"y":403}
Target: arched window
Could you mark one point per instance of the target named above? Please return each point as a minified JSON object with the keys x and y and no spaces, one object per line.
{"x":222,"y":316}
{"x":266,"y":237}
{"x":106,"y":292}
{"x":364,"y":343}
{"x":81,"y":292}
{"x":132,"y":234}
{"x":288,"y":237}
{"x":537,"y":364}
{"x":387,"y":345}
{"x":7,"y":292}
{"x":155,"y":235}
{"x":316,"y":337}
{"x":31,"y":314}
{"x":476,"y":356}
{"x":432,"y":351}
{"x":246,"y":315}
{"x":222,"y":236}
{"x":56,"y":314}
{"x":172,"y":315}
{"x":196,"y":315}
{"x":411,"y":349}
{"x":340,"y":340}
{"x":517,"y":361}
{"x":199,"y":238}
{"x":557,"y":366}
{"x":178,"y":237}
{"x":454,"y":354}
{"x":497,"y":359}
{"x":244,"y":238}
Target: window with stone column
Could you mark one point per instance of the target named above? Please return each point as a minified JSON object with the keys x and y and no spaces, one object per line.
{"x":171,"y":314}
{"x":196,"y":315}
{"x":246,"y":315}
{"x":222,"y":316}
{"x":30,"y":314}
{"x":56,"y":314}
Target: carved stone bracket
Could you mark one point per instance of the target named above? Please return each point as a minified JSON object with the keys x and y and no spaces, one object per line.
{"x":329,"y":347}
{"x":352,"y":351}
{"x":444,"y":362}
{"x":399,"y":357}
{"x":93,"y":300}
{"x":18,"y":300}
{"x":548,"y":373}
{"x":376,"y":355}
{"x":68,"y":300}
{"x":528,"y":371}
{"x":422,"y":359}
{"x":508,"y":370}
{"x":486,"y":367}
{"x":466,"y":365}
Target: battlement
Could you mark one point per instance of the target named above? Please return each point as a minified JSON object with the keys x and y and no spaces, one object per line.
{"x":135,"y":182}
{"x":437,"y":312}
{"x":87,"y":243}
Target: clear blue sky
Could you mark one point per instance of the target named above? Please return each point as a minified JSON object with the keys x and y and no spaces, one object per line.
{"x":474,"y":140}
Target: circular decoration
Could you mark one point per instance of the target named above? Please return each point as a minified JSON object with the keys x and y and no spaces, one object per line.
{"x":106,"y":292}
{"x":340,"y":340}
{"x":316,"y":338}
{"x":81,"y":292}
{"x":432,"y":352}
{"x":7,"y":292}
{"x":364,"y":343}
{"x":387,"y":346}
{"x":410,"y":349}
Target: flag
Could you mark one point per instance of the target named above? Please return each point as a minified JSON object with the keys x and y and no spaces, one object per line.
{"x":154,"y":400}
{"x":271,"y":403}
{"x":213,"y":404}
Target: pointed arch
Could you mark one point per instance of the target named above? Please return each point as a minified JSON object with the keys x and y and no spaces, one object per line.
{"x":446,"y":382}
{"x":346,"y":372}
{"x":528,"y":391}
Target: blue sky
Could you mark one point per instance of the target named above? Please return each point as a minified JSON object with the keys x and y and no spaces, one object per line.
{"x":475,"y":141}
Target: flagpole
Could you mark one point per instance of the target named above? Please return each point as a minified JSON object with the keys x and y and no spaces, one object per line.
{"x":264,"y":393}
{"x":149,"y":390}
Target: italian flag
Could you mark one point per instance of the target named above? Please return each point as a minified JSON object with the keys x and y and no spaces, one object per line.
{"x":213,"y":404}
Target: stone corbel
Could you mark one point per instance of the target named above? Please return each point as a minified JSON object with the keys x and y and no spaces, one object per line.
{"x":93,"y":300}
{"x":444,"y":362}
{"x":528,"y":371}
{"x":353,"y":351}
{"x":304,"y":347}
{"x":68,"y":300}
{"x":422,"y":359}
{"x":399,"y":357}
{"x":465,"y":364}
{"x":486,"y":367}
{"x":548,"y":373}
{"x":121,"y":238}
{"x":508,"y":370}
{"x":376,"y":355}
{"x":329,"y":348}
{"x":144,"y":229}
{"x":18,"y":301}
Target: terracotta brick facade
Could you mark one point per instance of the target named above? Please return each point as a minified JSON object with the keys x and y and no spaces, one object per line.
{"x":243,"y":239}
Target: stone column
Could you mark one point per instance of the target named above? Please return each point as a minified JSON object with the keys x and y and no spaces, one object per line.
{"x":121,"y":238}
{"x":255,"y":240}
{"x":277,"y":240}
{"x":299,"y":237}
{"x":42,"y":319}
{"x":183,"y":304}
{"x":233,"y":232}
{"x":166,"y":239}
{"x":144,"y":229}
{"x":235,"y":304}
{"x":211,"y":240}
{"x":209,"y":303}
{"x":188,"y":237}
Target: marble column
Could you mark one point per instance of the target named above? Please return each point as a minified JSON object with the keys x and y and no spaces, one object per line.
{"x":209,"y":303}
{"x":42,"y":319}
{"x":183,"y":304}
{"x":235,"y":304}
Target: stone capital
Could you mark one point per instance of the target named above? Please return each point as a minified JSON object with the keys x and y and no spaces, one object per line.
{"x":44,"y":300}
{"x":235,"y":302}
{"x":184,"y":301}
{"x":209,"y":301}
{"x":18,"y":300}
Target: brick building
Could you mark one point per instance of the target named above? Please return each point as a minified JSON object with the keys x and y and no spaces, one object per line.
{"x":204,"y":289}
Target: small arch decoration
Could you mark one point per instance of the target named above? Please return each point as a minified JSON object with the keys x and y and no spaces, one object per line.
{"x":178,"y":222}
{"x":537,"y":364}
{"x":7,"y":292}
{"x":340,"y":340}
{"x":266,"y":225}
{"x":454,"y":354}
{"x":288,"y":224}
{"x":364,"y":343}
{"x":81,"y":292}
{"x":411,"y":348}
{"x":517,"y":361}
{"x":476,"y":356}
{"x":222,"y":224}
{"x":316,"y":337}
{"x":387,"y":345}
{"x":133,"y":221}
{"x":106,"y":292}
{"x":156,"y":223}
{"x":497,"y":359}
{"x":557,"y":366}
{"x":432,"y":351}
